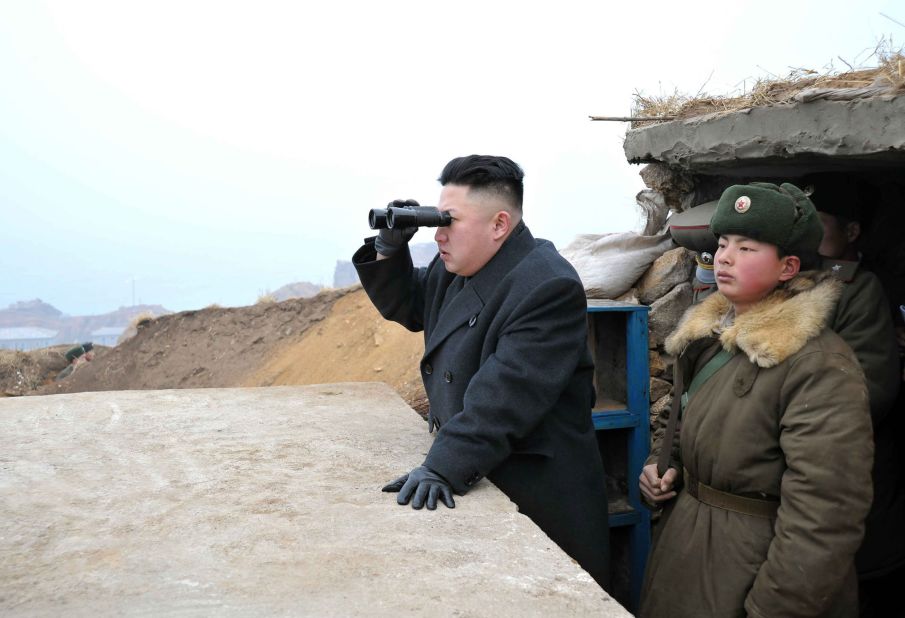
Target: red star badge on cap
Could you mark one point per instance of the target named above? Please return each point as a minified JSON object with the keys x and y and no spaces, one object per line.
{"x":742,"y":204}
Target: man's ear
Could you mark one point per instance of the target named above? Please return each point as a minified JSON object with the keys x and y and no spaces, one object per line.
{"x":502,"y":223}
{"x":791,"y":265}
{"x":852,"y":231}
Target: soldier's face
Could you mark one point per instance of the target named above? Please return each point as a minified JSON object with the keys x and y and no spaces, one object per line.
{"x":837,"y":238}
{"x":747,"y":270}
{"x":473,"y":238}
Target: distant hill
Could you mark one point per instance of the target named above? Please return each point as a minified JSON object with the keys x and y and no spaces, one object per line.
{"x":344,"y":274}
{"x":300,"y":289}
{"x":29,"y":313}
{"x":79,"y":328}
{"x":423,"y":253}
{"x":70,"y":329}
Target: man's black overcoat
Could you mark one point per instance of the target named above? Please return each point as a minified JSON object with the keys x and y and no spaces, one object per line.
{"x":508,"y":374}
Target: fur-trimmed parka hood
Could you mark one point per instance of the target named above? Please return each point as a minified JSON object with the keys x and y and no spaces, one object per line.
{"x":771,"y":331}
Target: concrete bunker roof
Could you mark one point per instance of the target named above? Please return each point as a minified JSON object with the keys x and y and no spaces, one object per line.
{"x":804,"y":124}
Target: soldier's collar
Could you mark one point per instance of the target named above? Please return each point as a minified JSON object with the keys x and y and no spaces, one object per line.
{"x":844,"y":270}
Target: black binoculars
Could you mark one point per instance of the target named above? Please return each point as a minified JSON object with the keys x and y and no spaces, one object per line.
{"x":408,"y":216}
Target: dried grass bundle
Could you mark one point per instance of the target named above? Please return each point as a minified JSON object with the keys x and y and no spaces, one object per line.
{"x":888,"y":77}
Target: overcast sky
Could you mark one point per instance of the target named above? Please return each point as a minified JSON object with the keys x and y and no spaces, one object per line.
{"x":203,"y":152}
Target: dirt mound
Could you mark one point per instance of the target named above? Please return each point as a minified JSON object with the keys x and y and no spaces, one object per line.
{"x":354,"y":344}
{"x":23,"y":372}
{"x":335,"y":336}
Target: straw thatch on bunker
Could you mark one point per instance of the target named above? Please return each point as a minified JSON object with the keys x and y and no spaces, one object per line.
{"x":851,"y":125}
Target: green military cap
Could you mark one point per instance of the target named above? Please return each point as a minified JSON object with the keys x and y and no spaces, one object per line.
{"x":77,"y":351}
{"x":781,"y":215}
{"x":73,"y":353}
{"x":691,"y":228}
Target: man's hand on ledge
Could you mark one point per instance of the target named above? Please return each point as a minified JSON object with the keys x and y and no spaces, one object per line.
{"x":426,"y":485}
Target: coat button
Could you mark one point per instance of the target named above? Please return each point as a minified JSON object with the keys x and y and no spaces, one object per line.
{"x":428,"y":369}
{"x":448,"y":377}
{"x":473,"y":319}
{"x":474,"y":478}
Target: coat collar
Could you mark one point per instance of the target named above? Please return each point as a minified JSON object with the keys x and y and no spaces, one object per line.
{"x":475,"y":290}
{"x":771,"y":331}
{"x":519,"y":244}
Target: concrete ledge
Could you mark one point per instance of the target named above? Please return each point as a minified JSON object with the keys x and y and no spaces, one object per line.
{"x":254,"y":502}
{"x":804,"y":134}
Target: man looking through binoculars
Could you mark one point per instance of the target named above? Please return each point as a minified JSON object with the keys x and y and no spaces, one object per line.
{"x":506,"y":365}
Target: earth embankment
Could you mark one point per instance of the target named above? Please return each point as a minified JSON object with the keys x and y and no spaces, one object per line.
{"x":335,"y":336}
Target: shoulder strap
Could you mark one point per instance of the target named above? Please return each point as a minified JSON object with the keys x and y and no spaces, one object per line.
{"x":711,"y":367}
{"x":666,"y":444}
{"x":678,"y":402}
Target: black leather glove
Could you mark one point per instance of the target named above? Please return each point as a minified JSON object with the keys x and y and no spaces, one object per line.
{"x":390,"y":241}
{"x":426,"y":485}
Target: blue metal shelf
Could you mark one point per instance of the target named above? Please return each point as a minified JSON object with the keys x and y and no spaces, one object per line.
{"x":627,"y":518}
{"x":619,"y":343}
{"x":615,"y":419}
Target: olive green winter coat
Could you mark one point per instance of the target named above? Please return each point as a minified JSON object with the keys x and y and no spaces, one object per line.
{"x":862,"y":320}
{"x":785,"y":419}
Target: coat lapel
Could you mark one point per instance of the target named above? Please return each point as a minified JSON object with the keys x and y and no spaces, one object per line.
{"x":455,"y":313}
{"x":458,"y":311}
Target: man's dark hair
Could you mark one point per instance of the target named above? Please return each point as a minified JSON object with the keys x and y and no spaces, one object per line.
{"x":497,"y":175}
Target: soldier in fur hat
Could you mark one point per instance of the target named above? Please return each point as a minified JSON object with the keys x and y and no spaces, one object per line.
{"x":863,"y":319}
{"x":767,"y":484}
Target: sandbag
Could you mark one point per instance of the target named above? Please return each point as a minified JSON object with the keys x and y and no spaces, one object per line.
{"x":610,"y":264}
